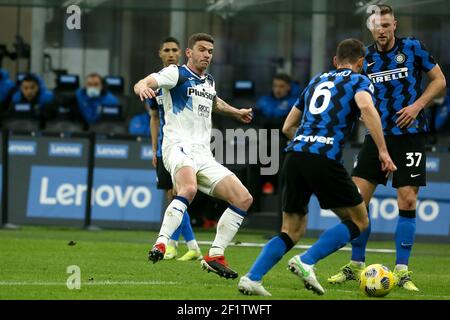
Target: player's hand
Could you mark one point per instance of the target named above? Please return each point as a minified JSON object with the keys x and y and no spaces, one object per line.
{"x":146,"y":93}
{"x":245,"y":115}
{"x":407,"y":116}
{"x":387,"y":165}
{"x":154,"y":160}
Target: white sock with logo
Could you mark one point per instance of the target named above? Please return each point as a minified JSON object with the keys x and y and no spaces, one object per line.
{"x":227,"y":227}
{"x":172,"y":219}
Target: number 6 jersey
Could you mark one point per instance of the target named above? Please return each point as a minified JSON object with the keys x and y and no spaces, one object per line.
{"x":329,"y":112}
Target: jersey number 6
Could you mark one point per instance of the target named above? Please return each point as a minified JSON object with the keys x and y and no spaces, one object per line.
{"x":323,"y":90}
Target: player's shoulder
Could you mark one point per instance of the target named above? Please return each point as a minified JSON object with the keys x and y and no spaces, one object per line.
{"x":210,"y":79}
{"x":359,"y":77}
{"x":410,"y":43}
{"x":173,"y":68}
{"x":409,"y":40}
{"x":371,"y":49}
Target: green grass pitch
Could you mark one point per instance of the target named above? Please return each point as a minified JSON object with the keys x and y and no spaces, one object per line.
{"x":113,"y":264}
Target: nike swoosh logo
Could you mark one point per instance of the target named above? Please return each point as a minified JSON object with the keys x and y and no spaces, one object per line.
{"x":177,"y":210}
{"x":415,"y":175}
{"x":370,"y":64}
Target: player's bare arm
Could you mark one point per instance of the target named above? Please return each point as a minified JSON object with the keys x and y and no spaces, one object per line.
{"x":243,"y":115}
{"x":435,"y":87}
{"x":373,"y":123}
{"x":146,"y":87}
{"x":154,"y":128}
{"x":291,"y":123}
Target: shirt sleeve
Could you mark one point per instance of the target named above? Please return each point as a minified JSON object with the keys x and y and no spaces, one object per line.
{"x":300,"y":102}
{"x":364,"y":84}
{"x":424,"y":58}
{"x":167,"y":78}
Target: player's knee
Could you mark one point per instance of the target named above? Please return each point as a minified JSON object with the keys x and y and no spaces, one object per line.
{"x":294,"y":232}
{"x":244,"y":201}
{"x":188,"y":191}
{"x":407,"y":202}
{"x":363,"y":223}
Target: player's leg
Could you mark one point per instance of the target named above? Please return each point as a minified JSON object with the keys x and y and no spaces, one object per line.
{"x":229,"y":189}
{"x":340,"y":194}
{"x":405,"y":234}
{"x":367,"y":175}
{"x":352,"y":269}
{"x":181,"y":167}
{"x":172,"y":246}
{"x":164,"y":182}
{"x":295,"y":198}
{"x":293,"y":228}
{"x":354,"y":220}
{"x":410,"y":157}
{"x":193,"y":252}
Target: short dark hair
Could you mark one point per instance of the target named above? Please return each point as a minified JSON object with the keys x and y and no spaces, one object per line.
{"x":95,"y":75}
{"x":283,"y":77}
{"x":350,"y":50}
{"x":167,"y":40}
{"x":199,"y":37}
{"x":29,"y":77}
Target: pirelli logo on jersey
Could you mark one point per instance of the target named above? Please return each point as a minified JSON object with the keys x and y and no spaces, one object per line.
{"x":314,"y":139}
{"x":203,"y":94}
{"x":390,"y":75}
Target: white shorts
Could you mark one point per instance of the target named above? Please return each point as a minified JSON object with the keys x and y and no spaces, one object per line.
{"x":209,"y":172}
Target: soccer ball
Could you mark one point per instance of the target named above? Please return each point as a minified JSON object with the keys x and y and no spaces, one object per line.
{"x":376,"y":280}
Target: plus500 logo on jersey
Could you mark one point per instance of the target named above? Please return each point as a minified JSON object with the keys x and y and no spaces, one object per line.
{"x":123,"y":195}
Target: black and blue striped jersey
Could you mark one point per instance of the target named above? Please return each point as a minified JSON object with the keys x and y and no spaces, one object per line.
{"x":329,"y":112}
{"x":397,"y":77}
{"x":156,"y":104}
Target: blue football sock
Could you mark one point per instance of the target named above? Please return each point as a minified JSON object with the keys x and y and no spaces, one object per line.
{"x":272,"y":252}
{"x":404,"y":235}
{"x":186,"y":227}
{"x":176,"y":235}
{"x":330,"y":241}
{"x":359,"y":244}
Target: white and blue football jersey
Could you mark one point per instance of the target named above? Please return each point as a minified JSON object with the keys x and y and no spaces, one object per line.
{"x":188,"y":101}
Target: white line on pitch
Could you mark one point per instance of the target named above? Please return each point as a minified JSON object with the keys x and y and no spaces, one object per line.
{"x":260,"y":245}
{"x":90,"y":283}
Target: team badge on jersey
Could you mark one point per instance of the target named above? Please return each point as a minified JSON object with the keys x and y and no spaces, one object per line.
{"x":400,"y":58}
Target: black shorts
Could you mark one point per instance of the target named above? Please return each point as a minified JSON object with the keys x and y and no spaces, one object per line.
{"x":408,"y":153}
{"x":164,"y":179}
{"x":304,"y":174}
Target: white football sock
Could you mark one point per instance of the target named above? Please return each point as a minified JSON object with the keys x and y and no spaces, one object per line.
{"x":357,"y":263}
{"x":193,"y":245}
{"x":173,"y":243}
{"x":401,"y":267}
{"x":172,"y":220}
{"x":227,"y":228}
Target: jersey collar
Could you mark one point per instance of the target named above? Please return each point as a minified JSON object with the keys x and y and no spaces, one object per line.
{"x":194,"y":74}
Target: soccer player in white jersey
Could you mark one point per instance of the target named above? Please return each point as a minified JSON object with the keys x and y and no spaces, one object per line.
{"x":189,"y":98}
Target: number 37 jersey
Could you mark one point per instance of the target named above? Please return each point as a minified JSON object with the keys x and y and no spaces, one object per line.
{"x":188,"y":101}
{"x":329,"y":112}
